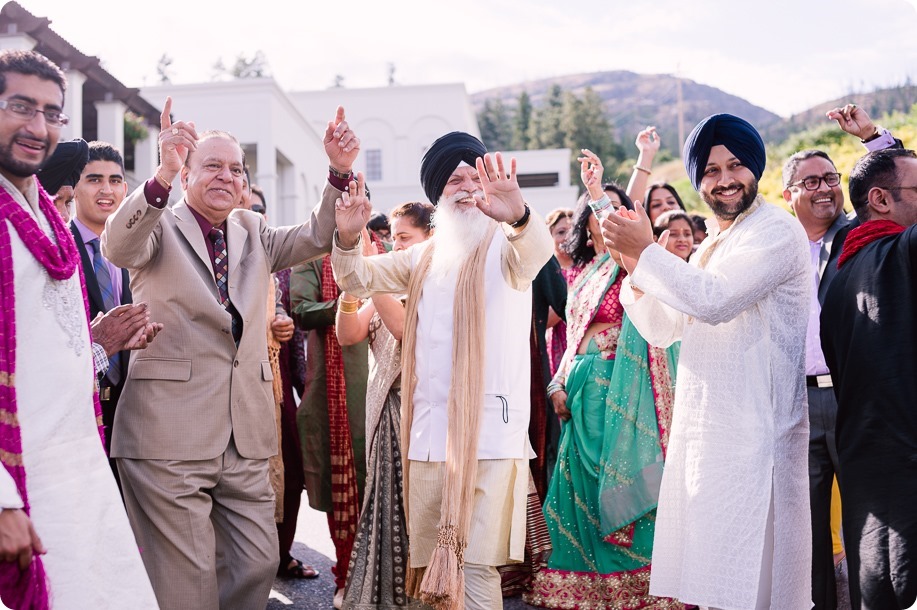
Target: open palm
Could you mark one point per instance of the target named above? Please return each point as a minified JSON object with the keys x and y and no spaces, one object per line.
{"x":502,"y":198}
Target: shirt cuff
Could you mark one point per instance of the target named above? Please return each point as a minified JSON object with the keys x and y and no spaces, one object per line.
{"x":99,"y":359}
{"x":885,"y":140}
{"x":339,"y":183}
{"x":156,"y":195}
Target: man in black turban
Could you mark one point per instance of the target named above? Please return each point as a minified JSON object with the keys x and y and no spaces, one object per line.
{"x":463,"y":333}
{"x":443,"y":157}
{"x":738,"y":443}
{"x":61,"y":171}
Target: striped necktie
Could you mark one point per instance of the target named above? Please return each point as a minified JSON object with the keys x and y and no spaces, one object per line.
{"x":103,"y":278}
{"x":221,"y":274}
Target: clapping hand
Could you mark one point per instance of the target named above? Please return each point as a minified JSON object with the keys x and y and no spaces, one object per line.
{"x":341,"y":145}
{"x":629,"y":232}
{"x":854,"y":120}
{"x":351,"y":212}
{"x":502,"y":199}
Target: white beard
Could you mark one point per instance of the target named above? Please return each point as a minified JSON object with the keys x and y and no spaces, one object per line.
{"x":459,"y":230}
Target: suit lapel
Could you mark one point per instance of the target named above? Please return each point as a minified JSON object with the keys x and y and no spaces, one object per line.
{"x":189,"y":228}
{"x":92,"y":284}
{"x":235,"y":242}
{"x":831,"y":245}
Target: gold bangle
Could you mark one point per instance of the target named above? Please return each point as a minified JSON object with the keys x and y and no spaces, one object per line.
{"x":163,"y":182}
{"x":640,"y":168}
{"x":348,"y":307}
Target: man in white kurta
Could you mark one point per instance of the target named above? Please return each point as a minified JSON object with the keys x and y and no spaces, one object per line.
{"x":517,"y":250}
{"x":91,"y":559}
{"x":733,"y":528}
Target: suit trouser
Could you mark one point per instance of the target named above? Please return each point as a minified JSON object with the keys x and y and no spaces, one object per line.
{"x":823,"y":464}
{"x":205,"y":529}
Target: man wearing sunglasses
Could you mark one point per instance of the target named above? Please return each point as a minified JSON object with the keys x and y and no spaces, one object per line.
{"x":812,"y":188}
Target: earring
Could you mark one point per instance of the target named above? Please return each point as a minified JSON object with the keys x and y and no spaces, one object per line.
{"x":589,"y":243}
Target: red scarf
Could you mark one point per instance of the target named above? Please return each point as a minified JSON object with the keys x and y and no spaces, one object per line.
{"x":27,"y":589}
{"x":865,"y":234}
{"x":345,"y":499}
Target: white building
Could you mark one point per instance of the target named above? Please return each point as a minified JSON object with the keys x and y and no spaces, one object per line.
{"x":280,"y":131}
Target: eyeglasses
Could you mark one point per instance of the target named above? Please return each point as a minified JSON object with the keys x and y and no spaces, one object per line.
{"x":813,"y":182}
{"x":26,"y":112}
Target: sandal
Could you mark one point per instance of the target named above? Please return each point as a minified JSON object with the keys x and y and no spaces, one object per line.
{"x":296,"y":569}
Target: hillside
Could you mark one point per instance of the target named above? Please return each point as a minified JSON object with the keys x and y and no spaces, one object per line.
{"x":633,"y":101}
{"x":876,"y":103}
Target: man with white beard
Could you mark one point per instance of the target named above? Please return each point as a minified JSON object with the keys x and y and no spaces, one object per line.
{"x":465,"y":444}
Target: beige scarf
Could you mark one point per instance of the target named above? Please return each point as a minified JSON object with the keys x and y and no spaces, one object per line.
{"x":442,"y":583}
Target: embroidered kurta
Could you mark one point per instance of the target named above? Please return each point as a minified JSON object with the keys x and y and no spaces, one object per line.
{"x":92,"y":560}
{"x":740,"y":433}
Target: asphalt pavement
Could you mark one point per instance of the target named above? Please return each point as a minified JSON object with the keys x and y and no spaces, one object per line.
{"x":313,"y":546}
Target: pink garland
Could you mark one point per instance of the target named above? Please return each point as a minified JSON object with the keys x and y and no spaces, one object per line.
{"x":27,"y":589}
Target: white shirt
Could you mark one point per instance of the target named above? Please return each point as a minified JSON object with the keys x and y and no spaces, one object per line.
{"x":740,"y":428}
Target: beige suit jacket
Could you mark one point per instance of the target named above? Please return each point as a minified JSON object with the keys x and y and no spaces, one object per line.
{"x":192,"y":388}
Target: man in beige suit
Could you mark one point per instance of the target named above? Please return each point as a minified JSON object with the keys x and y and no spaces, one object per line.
{"x":195,"y":428}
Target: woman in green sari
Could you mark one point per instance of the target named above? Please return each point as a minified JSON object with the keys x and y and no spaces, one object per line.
{"x":615,"y":395}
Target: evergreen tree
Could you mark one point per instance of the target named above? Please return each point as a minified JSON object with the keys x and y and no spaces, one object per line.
{"x":545,"y":130}
{"x":522,"y":123}
{"x":495,"y":125}
{"x":585,"y":125}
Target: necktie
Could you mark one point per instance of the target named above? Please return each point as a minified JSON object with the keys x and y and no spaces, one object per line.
{"x":103,"y":278}
{"x":221,"y":274}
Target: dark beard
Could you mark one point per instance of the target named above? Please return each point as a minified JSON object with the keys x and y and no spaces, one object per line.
{"x":725,"y":212}
{"x":18,"y":168}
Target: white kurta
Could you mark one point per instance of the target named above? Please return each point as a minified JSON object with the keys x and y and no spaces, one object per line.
{"x":92,"y":559}
{"x":740,"y":427}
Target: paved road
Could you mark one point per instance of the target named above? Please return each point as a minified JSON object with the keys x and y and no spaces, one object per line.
{"x":313,"y":546}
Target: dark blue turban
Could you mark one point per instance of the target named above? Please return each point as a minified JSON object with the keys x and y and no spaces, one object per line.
{"x":64,"y":166}
{"x":734,"y":133}
{"x":443,"y":157}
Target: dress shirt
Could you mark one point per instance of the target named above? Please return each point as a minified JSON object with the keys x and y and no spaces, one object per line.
{"x":815,"y":359}
{"x":87,"y":235}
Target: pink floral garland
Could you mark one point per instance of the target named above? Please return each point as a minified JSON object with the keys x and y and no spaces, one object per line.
{"x":27,"y":589}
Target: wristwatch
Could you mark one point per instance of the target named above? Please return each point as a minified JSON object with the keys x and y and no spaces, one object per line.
{"x":525,"y":218}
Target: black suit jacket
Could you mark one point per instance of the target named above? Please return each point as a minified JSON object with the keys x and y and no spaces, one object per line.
{"x":95,"y":306}
{"x":92,"y":285}
{"x":830,"y":251}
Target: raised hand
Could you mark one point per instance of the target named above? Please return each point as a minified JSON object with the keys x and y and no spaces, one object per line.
{"x":591,"y":171}
{"x":854,"y":120}
{"x":341,"y":145}
{"x":502,"y":198}
{"x":352,"y":211}
{"x":648,"y":141}
{"x":176,"y":140}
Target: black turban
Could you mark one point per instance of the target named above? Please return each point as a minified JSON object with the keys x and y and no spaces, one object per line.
{"x":734,"y":133}
{"x":443,"y":157}
{"x":63,"y":168}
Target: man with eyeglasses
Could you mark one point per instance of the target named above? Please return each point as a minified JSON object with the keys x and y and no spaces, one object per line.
{"x":63,"y":531}
{"x":812,"y":188}
{"x":869,"y":338}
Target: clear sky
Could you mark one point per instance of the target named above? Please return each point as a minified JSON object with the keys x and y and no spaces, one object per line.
{"x":784,"y":55}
